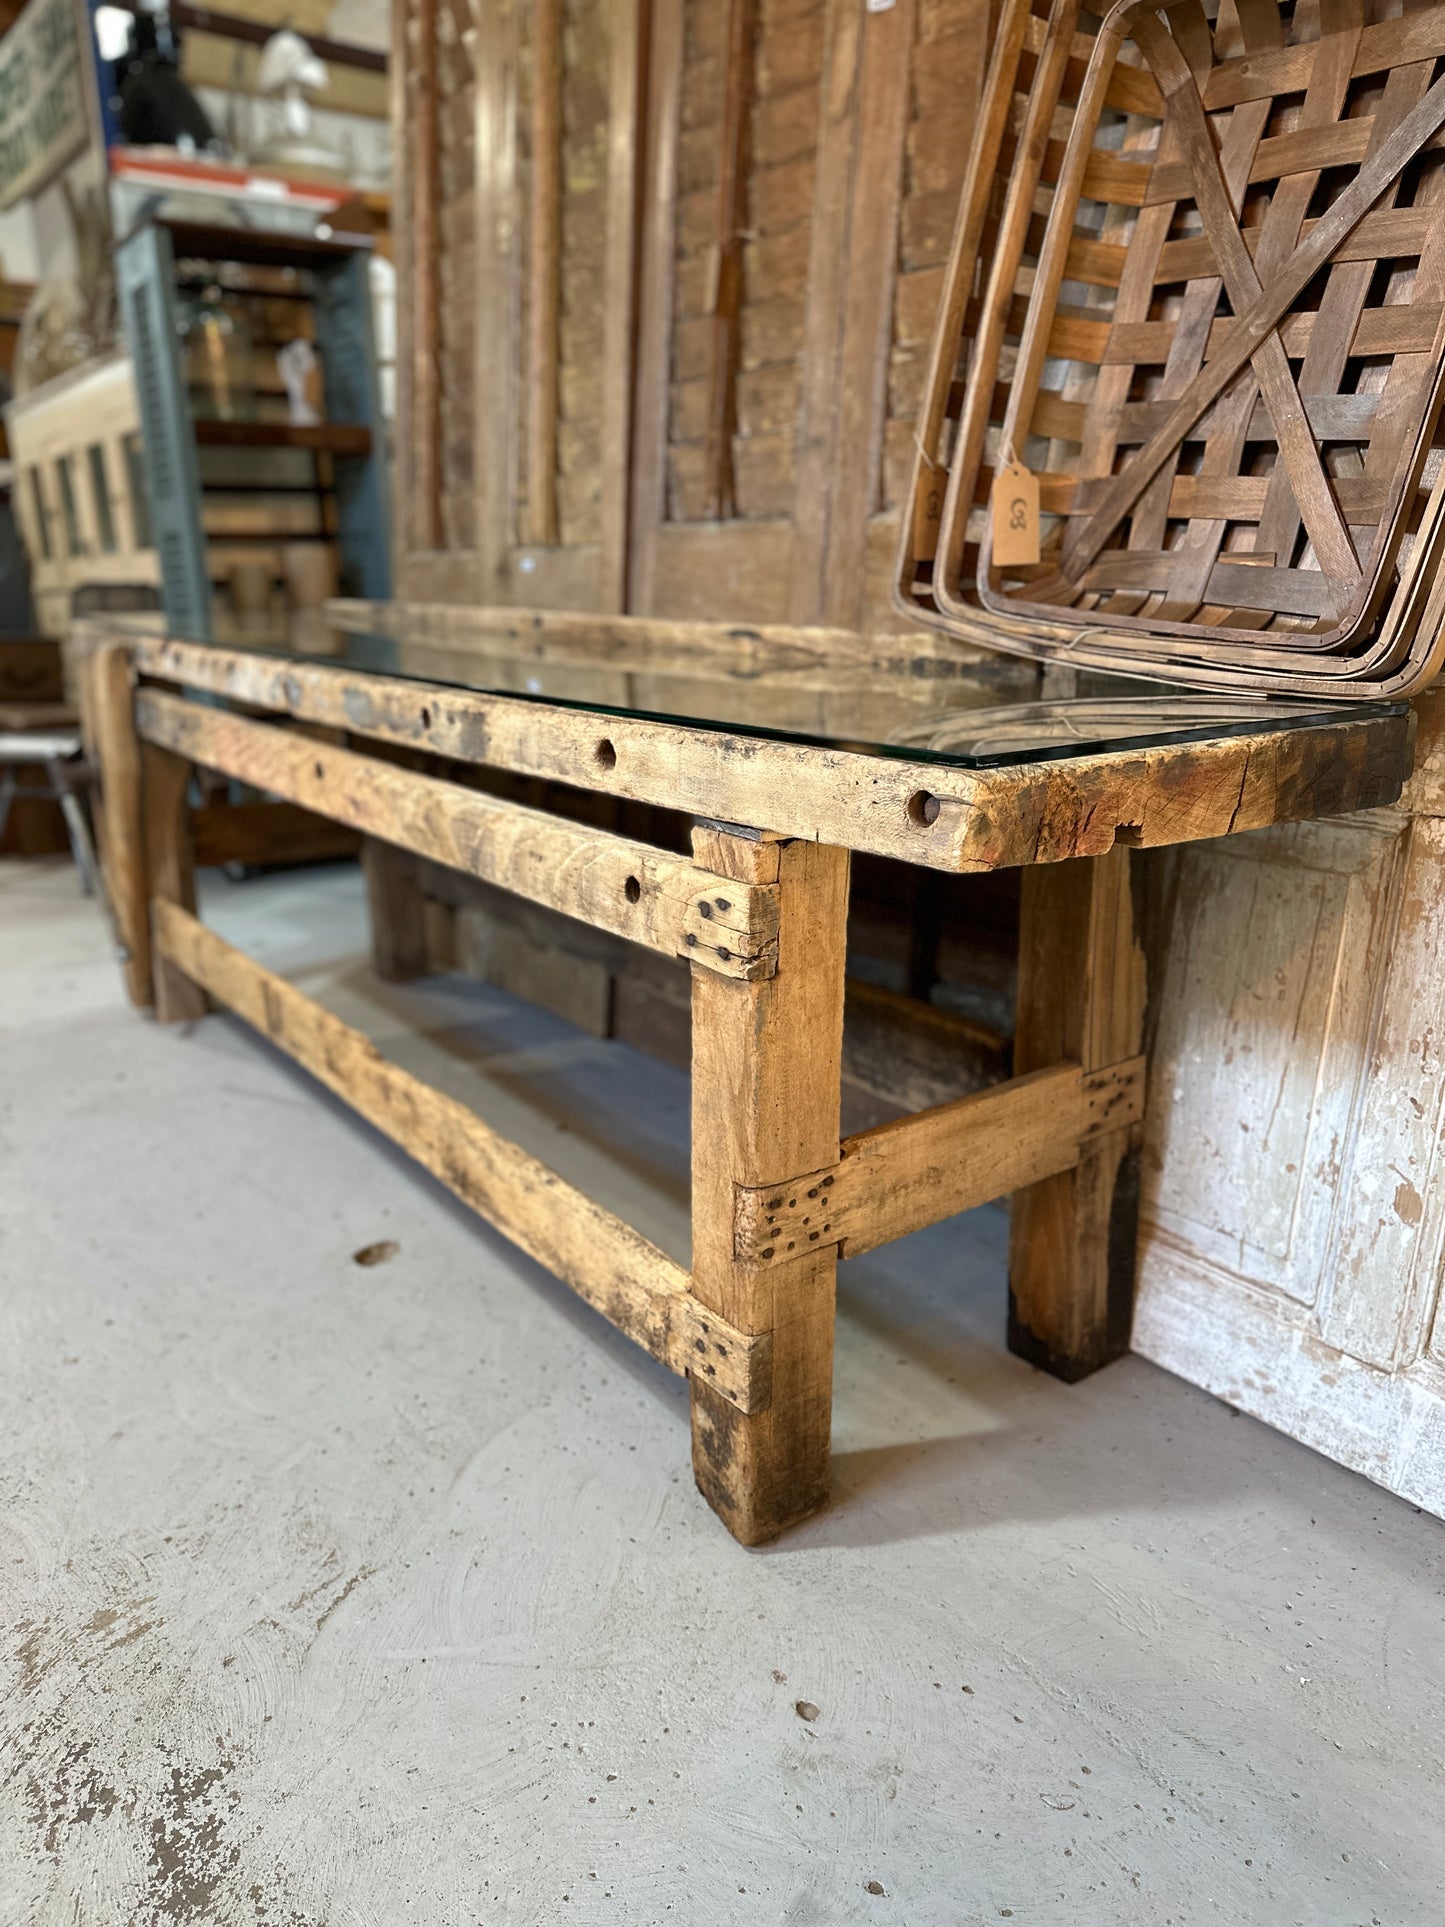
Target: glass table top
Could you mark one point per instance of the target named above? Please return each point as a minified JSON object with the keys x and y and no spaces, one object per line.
{"x":908,"y":696}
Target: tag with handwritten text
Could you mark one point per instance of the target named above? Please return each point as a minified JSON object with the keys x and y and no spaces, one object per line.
{"x":1015,"y":516}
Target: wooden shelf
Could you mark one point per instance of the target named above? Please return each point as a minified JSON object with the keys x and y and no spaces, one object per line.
{"x":332,"y":438}
{"x":195,"y":240}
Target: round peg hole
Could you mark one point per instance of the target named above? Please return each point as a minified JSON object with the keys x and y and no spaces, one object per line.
{"x":923,"y":808}
{"x":632,"y":889}
{"x":606,"y":755}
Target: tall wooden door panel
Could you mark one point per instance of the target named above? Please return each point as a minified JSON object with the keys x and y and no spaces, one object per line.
{"x":1292,"y":1225}
{"x":667,"y":273}
{"x":803,"y":164}
{"x":518,"y":158}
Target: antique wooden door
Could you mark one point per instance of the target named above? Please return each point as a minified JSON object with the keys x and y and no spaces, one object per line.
{"x":668,"y":271}
{"x":1293,"y":1222}
{"x":518,"y":156}
{"x":800,"y":191}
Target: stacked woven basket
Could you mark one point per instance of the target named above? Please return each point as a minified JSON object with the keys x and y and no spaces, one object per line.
{"x":1181,"y":416}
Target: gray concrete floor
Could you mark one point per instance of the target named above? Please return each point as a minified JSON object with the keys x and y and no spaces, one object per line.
{"x":341,"y":1594}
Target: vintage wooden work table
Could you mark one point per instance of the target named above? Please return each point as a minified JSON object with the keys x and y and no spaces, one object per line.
{"x":790,"y":750}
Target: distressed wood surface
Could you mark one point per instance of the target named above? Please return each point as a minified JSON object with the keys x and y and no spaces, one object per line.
{"x":983,"y":820}
{"x":170,"y":875}
{"x":766,"y":1076}
{"x":543,"y":276}
{"x":396,"y":911}
{"x":1292,"y":1206}
{"x":635,"y":1286}
{"x":119,"y":821}
{"x":917,"y":1170}
{"x":1072,"y":1236}
{"x":630,"y":888}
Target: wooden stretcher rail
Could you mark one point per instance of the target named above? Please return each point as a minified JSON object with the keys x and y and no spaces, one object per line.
{"x":919,"y":1170}
{"x":939,"y":817}
{"x":635,"y":1286}
{"x":663,"y":901}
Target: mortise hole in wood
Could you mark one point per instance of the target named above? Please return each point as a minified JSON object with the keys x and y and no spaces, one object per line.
{"x":923,"y":808}
{"x":605,"y":755}
{"x":632,"y":889}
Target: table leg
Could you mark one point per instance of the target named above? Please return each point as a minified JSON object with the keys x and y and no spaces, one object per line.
{"x":119,"y":824}
{"x":398,"y":911}
{"x":170,"y":872}
{"x":766,"y":1082}
{"x":1081,"y":996}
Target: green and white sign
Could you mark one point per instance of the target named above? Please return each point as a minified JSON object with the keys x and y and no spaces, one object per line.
{"x":42,"y":106}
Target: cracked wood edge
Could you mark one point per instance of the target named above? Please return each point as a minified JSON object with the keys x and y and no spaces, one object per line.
{"x":917,"y":1170}
{"x":648,"y":895}
{"x":927,"y":813}
{"x":636,"y":1287}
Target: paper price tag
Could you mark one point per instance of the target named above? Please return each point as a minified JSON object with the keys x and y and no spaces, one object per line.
{"x":1015,"y":504}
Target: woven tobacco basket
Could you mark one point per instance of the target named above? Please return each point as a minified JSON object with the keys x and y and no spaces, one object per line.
{"x":1029,"y":94}
{"x":1229,"y":371}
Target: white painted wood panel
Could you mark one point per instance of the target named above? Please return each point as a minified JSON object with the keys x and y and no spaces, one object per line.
{"x":1292,"y":1228}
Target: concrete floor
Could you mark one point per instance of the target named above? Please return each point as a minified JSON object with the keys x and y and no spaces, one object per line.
{"x":378,"y":1594}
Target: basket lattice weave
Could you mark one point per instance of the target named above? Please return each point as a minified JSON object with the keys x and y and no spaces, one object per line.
{"x":1221,"y":347}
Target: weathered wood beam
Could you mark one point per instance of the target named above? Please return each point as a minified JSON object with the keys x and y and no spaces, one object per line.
{"x":544,"y":255}
{"x":170,"y":874}
{"x":647,"y":895}
{"x":636,"y":1287}
{"x":729,"y":219}
{"x":122,"y":851}
{"x":1072,"y":1235}
{"x":422,"y":258}
{"x":927,"y":813}
{"x":765,"y":1096}
{"x":917,"y":1170}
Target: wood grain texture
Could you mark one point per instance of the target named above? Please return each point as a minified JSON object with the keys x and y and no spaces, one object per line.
{"x":1072,"y":1236}
{"x":543,"y":272}
{"x":635,"y":1286}
{"x":396,"y":910}
{"x":170,"y":875}
{"x":766,"y":1086}
{"x":867,"y":302}
{"x":986,"y":819}
{"x":119,"y":824}
{"x":647,"y":895}
{"x":628,"y":28}
{"x":915,"y":1171}
{"x":420,"y":261}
